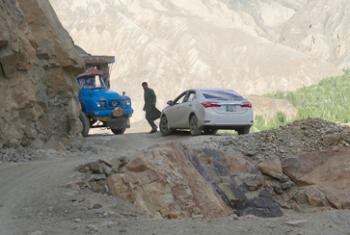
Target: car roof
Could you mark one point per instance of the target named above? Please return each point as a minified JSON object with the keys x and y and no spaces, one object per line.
{"x":214,"y":89}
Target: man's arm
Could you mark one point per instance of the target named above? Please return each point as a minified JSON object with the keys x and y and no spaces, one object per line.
{"x":153,"y":98}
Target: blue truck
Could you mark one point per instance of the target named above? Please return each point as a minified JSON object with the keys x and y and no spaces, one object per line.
{"x":101,"y":106}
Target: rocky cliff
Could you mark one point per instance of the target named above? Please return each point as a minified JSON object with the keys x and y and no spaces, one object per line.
{"x":38,"y":64}
{"x":253,"y":47}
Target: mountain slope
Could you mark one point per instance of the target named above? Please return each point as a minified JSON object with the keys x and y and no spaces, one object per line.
{"x":179,"y":44}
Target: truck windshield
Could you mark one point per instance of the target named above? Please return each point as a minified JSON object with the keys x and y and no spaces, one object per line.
{"x":92,"y":82}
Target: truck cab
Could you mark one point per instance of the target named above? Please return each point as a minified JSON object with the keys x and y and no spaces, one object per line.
{"x":101,"y":106}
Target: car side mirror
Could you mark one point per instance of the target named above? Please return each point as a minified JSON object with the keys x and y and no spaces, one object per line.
{"x":170,"y":102}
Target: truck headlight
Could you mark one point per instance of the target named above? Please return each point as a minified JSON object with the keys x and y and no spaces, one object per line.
{"x":126,"y":103}
{"x":114,"y":103}
{"x":101,"y":104}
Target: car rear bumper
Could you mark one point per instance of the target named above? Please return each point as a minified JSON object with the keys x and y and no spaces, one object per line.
{"x":227,"y":121}
{"x":226,"y":127}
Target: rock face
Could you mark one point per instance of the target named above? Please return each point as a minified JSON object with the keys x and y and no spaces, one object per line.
{"x":38,"y":64}
{"x":254,"y":47}
{"x":303,"y":165}
{"x":324,"y":177}
{"x":177,"y":182}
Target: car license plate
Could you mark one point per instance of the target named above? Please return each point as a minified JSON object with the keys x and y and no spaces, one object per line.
{"x":231,"y":108}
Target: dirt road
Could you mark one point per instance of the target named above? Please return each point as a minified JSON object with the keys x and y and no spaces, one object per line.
{"x":35,"y":199}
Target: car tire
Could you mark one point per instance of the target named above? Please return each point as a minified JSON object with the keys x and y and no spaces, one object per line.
{"x":86,"y":124}
{"x":194,"y":128}
{"x":118,"y":131}
{"x":210,"y":131}
{"x":164,"y":126}
{"x":243,"y":130}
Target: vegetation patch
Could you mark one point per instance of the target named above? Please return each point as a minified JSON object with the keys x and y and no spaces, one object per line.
{"x":328,"y":100}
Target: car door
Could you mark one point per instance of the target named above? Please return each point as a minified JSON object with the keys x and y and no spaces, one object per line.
{"x":185,"y":109}
{"x":173,"y":111}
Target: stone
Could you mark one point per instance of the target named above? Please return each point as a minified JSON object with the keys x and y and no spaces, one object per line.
{"x":272,"y":169}
{"x":315,"y":197}
{"x":3,"y":43}
{"x":137,"y":165}
{"x":322,"y":184}
{"x":253,"y":183}
{"x":96,"y":206}
{"x":97,"y":177}
{"x":8,"y":65}
{"x":108,"y":170}
{"x":157,"y":189}
{"x":91,"y":228}
{"x":99,"y":186}
{"x":96,"y":167}
{"x":37,"y":233}
{"x":297,"y":223}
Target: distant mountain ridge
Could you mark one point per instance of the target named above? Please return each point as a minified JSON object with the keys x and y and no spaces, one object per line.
{"x":254,"y":47}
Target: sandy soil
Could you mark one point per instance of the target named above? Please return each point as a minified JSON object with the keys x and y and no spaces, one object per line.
{"x":35,"y":199}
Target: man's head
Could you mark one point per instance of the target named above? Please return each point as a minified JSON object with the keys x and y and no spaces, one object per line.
{"x":145,"y":85}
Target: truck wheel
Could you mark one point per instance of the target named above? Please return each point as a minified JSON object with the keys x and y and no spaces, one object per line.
{"x":86,"y":124}
{"x":118,"y":131}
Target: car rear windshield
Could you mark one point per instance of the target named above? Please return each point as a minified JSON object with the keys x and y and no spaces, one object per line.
{"x":221,"y":95}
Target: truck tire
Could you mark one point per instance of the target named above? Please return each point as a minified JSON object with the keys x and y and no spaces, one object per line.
{"x":118,"y":131}
{"x":86,"y":124}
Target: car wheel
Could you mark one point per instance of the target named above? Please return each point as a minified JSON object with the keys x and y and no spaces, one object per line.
{"x":210,"y":131}
{"x":195,"y":129}
{"x":164,"y":126}
{"x":118,"y":131}
{"x":243,"y":130}
{"x":86,"y":124}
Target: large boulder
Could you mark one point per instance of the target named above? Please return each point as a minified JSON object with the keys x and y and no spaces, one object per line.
{"x":175,"y":181}
{"x":38,"y":64}
{"x":323,"y":177}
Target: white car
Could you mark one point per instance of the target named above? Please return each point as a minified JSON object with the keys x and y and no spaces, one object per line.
{"x":206,"y":111}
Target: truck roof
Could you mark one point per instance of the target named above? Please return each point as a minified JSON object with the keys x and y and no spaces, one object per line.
{"x":91,"y":72}
{"x":95,"y":60}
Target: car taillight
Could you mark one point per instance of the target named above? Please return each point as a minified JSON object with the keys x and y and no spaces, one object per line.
{"x":211,"y":105}
{"x":247,"y":105}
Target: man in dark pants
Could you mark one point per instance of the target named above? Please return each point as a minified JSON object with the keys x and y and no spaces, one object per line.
{"x":152,"y":113}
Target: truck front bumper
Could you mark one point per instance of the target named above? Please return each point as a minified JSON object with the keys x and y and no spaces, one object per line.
{"x":107,"y":113}
{"x":119,"y":123}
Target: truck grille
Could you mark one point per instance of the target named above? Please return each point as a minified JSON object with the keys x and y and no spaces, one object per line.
{"x":113,"y":103}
